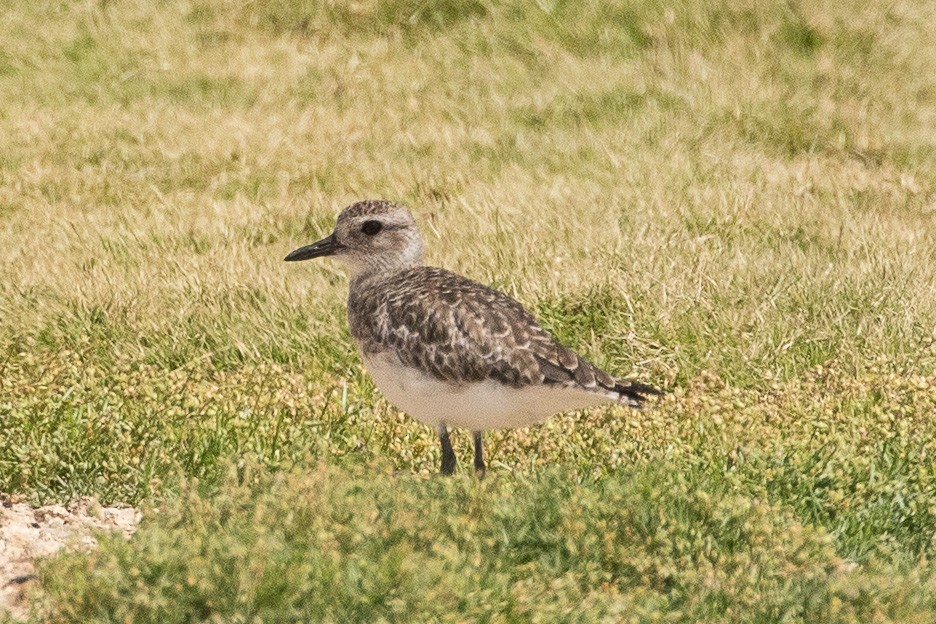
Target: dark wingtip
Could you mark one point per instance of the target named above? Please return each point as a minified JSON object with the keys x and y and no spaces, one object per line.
{"x":636,"y":392}
{"x":646,"y":389}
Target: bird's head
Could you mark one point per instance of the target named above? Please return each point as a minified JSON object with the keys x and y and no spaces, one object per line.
{"x":370,"y":236}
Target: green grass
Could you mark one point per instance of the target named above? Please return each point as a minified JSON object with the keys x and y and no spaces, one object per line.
{"x":732,"y":201}
{"x":361,"y":545}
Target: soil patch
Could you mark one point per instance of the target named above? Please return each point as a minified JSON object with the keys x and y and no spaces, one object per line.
{"x":29,"y":533}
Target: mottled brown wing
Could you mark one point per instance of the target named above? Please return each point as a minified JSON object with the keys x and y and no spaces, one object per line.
{"x":461,"y":331}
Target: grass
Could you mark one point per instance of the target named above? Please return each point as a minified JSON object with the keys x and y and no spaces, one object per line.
{"x":733,"y":202}
{"x":362,"y":545}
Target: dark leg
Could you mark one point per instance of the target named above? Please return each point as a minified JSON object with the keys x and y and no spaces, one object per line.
{"x":479,"y":456}
{"x":448,"y":455}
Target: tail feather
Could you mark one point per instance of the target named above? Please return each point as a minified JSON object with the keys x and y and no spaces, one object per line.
{"x":586,"y":376}
{"x":634,"y":393}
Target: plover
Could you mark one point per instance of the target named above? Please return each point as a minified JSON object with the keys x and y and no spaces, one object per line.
{"x":448,"y":351}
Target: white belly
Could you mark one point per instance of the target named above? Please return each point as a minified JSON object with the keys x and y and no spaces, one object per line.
{"x":475,"y":406}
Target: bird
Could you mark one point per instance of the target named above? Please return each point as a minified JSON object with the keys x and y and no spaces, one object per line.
{"x":447,"y":350}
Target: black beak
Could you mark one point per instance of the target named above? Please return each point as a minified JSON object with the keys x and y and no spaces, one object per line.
{"x":325,"y":247}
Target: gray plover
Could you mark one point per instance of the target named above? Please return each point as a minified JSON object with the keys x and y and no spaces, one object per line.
{"x":449,"y":351}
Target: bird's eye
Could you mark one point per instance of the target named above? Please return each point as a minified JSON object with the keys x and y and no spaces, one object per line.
{"x":371,"y":227}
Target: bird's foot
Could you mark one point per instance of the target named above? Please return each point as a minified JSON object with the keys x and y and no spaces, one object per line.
{"x":448,"y":454}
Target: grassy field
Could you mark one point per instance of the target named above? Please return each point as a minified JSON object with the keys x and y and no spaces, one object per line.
{"x":734,"y":201}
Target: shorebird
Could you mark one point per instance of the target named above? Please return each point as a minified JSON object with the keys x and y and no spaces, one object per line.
{"x":448,"y":351}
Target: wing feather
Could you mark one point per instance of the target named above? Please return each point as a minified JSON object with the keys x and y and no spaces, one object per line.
{"x":460,"y":331}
